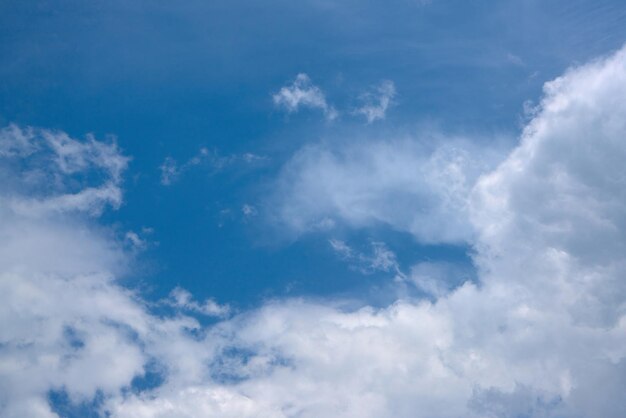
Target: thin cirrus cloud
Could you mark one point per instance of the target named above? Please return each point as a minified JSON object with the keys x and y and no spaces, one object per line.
{"x":171,"y":170}
{"x":543,"y":335}
{"x":381,"y":257}
{"x":376,"y":102}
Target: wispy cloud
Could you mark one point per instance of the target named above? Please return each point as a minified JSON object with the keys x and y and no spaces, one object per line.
{"x":182,"y":299}
{"x":139,"y":241}
{"x":171,"y":170}
{"x":302,"y":93}
{"x":407,"y":184}
{"x":381,"y":258}
{"x":377,"y":102}
{"x":65,"y":180}
{"x":515,"y":60}
{"x":437,"y":279}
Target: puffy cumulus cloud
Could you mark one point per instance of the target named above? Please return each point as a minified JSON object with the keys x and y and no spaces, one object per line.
{"x":542,"y":334}
{"x":312,"y":360}
{"x":66,"y":324}
{"x":555,"y":207}
{"x":376,"y":103}
{"x":66,"y":334}
{"x":449,"y":359}
{"x":56,"y":295}
{"x":194,"y":401}
{"x":303,"y":93}
{"x":407,"y":184}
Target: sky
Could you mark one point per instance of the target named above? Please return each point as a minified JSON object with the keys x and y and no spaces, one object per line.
{"x":410,"y":208}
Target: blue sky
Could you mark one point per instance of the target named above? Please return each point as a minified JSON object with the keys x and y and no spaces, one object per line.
{"x":288,"y":160}
{"x":167,"y":80}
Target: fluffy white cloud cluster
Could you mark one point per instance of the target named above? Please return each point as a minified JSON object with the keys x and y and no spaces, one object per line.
{"x":67,"y":326}
{"x":542,"y":335}
{"x":555,"y":207}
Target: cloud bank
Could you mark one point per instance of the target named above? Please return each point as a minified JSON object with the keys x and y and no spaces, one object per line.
{"x":542,"y":334}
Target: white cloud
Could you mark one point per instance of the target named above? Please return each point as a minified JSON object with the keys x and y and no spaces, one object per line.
{"x":526,"y":341}
{"x":380,"y":259}
{"x":558,"y":199}
{"x":15,"y":141}
{"x":375,"y":104}
{"x":407,"y":184}
{"x":91,"y":200}
{"x":52,"y":165}
{"x":303,"y":93}
{"x":135,"y":240}
{"x":66,"y":324}
{"x":194,"y":401}
{"x":437,"y":279}
{"x":543,"y":334}
{"x":181,"y":298}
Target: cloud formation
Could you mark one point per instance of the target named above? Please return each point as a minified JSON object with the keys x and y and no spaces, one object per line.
{"x":171,"y":170}
{"x":376,"y":103}
{"x":544,"y":327}
{"x":67,"y":325}
{"x":542,"y":334}
{"x":53,"y":167}
{"x":408,"y":184}
{"x":380,"y":259}
{"x":303,"y":93}
{"x":182,"y":299}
